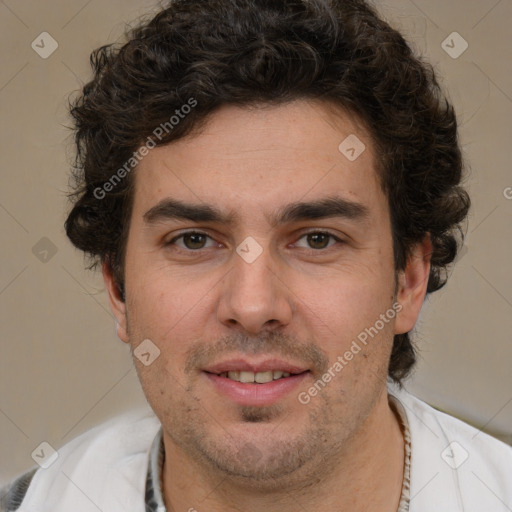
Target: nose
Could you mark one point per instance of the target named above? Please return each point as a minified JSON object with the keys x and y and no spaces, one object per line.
{"x":254,"y":297}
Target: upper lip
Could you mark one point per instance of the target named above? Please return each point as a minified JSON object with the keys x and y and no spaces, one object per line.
{"x":247,"y":366}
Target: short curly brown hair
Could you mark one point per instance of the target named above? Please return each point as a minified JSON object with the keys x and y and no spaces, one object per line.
{"x":243,"y":52}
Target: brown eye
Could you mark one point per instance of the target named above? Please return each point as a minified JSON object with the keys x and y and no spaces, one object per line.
{"x":194,"y":240}
{"x":318,"y":240}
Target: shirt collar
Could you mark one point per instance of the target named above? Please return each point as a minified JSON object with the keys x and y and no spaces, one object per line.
{"x":154,"y":498}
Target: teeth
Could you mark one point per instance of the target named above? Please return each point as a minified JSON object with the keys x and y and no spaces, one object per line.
{"x":251,"y":377}
{"x":246,"y":377}
{"x":262,"y":377}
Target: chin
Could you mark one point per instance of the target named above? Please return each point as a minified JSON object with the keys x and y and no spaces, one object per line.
{"x":257,"y":454}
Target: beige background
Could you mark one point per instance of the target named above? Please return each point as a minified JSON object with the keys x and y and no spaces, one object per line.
{"x":62,"y":367}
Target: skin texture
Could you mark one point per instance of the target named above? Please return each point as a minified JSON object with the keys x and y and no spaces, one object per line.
{"x":341,"y":451}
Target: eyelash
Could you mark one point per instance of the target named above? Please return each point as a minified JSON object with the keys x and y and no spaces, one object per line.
{"x":181,"y":235}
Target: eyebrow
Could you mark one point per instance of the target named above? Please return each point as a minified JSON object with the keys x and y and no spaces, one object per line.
{"x":320,"y":209}
{"x":299,"y":211}
{"x":174,"y":209}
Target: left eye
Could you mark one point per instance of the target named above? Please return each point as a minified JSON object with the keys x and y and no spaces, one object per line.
{"x":319,"y":240}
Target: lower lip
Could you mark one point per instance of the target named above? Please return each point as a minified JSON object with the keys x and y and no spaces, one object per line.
{"x":256,"y":394}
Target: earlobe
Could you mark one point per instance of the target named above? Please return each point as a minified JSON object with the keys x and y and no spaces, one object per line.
{"x":412,"y":285}
{"x":116,"y":301}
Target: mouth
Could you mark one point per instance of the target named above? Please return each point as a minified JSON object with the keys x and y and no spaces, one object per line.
{"x":255,"y":384}
{"x":255,"y":377}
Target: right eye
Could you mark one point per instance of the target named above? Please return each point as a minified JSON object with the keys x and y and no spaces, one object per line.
{"x":191,"y":241}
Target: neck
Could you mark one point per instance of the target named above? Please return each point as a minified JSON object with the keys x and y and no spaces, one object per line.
{"x":365,"y":475}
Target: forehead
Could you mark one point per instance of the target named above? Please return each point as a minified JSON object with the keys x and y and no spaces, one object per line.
{"x":248,"y":160}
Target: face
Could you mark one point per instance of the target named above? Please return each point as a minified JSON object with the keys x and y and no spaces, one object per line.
{"x":257,"y":251}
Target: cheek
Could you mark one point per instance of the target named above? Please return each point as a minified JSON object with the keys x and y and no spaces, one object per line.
{"x":159,"y":300}
{"x":171,"y":311}
{"x":342,"y":305}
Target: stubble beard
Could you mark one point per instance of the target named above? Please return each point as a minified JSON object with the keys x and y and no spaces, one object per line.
{"x":268,"y":461}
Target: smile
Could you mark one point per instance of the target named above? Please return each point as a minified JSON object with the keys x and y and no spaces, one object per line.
{"x":252,"y":377}
{"x":251,"y":383}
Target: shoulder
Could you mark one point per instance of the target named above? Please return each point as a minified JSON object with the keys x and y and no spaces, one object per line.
{"x":454,"y":464}
{"x":111,"y":455}
{"x":433,"y":422}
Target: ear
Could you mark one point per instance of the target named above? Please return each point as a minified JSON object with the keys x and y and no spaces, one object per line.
{"x":117,"y":304}
{"x":412,"y":285}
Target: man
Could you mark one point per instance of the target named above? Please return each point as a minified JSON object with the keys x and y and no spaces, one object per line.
{"x":271,"y":189}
